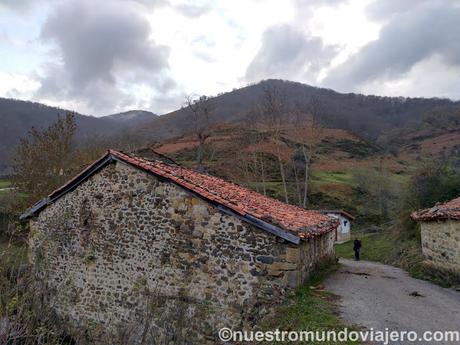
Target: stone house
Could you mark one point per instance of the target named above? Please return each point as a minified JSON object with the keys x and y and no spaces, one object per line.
{"x":343,"y":232}
{"x":160,"y":250}
{"x":440,"y":234}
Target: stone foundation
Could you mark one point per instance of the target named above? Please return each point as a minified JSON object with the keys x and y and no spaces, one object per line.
{"x":128,"y":254}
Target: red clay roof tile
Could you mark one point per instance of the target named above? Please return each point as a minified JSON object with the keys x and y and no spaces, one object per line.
{"x":303,"y":223}
{"x":448,"y":210}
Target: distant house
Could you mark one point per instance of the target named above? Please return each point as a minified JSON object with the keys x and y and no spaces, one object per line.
{"x":440,"y":232}
{"x":343,"y":232}
{"x":131,"y":238}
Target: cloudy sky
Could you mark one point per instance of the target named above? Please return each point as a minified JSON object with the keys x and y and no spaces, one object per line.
{"x":105,"y":56}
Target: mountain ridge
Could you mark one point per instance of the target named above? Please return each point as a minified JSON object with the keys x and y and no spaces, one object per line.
{"x":18,"y":117}
{"x":367,"y":116}
{"x":374,"y":118}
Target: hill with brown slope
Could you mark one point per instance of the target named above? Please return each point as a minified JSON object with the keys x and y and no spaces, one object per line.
{"x":18,"y":117}
{"x":335,"y":149}
{"x":367,"y":116}
{"x":232,"y":152}
{"x":371,"y":117}
{"x":342,"y":162}
{"x":435,"y":137}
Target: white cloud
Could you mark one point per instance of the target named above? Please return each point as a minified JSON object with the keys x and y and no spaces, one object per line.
{"x":108,"y":47}
{"x":210,"y":54}
{"x":345,"y":25}
{"x":287,"y":53}
{"x":112,"y":55}
{"x":420,"y":81}
{"x":15,"y":85}
{"x":409,"y":38}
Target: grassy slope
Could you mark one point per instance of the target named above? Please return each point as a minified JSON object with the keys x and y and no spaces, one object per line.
{"x":338,"y":154}
{"x":337,"y":177}
{"x":376,"y":247}
{"x":390,"y":247}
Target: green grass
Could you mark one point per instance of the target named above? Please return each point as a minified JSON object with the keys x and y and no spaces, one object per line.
{"x":375,"y":247}
{"x":337,"y":177}
{"x":5,"y":192}
{"x":399,"y":178}
{"x":5,"y":184}
{"x":388,"y":247}
{"x":273,"y":189}
{"x":310,"y":309}
{"x":319,"y":178}
{"x":355,"y":149}
{"x":394,"y":249}
{"x":13,"y":255}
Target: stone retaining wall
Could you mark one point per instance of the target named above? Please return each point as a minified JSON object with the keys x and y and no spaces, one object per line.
{"x":129,"y":254}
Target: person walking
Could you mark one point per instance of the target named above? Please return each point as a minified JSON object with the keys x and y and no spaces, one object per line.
{"x":357,"y":248}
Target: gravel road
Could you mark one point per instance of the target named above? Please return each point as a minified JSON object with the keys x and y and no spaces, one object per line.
{"x":378,"y":296}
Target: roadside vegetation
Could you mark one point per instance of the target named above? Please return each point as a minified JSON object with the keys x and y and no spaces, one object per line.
{"x":43,"y":161}
{"x":24,"y":317}
{"x":397,"y":242}
{"x":310,"y":308}
{"x":389,"y":248}
{"x":393,"y":248}
{"x":4,"y":184}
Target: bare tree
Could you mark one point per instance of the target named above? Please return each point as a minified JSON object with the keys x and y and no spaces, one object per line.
{"x":256,"y":140}
{"x":259,"y":161}
{"x":273,"y":111}
{"x":309,"y":139}
{"x":201,"y":109}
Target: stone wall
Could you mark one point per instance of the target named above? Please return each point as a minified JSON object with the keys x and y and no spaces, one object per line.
{"x":441,"y":244}
{"x":139,"y":257}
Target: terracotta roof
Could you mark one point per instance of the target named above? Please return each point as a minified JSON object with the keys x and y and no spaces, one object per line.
{"x":242,"y":201}
{"x":448,"y":210}
{"x":342,"y":212}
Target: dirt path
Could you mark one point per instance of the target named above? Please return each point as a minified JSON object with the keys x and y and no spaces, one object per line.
{"x":378,"y":296}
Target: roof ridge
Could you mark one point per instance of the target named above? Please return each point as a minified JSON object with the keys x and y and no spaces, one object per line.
{"x":258,"y":209}
{"x":447,"y":210}
{"x":268,"y":206}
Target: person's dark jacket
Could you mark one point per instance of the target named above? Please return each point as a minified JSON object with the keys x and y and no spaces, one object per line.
{"x":357,"y":245}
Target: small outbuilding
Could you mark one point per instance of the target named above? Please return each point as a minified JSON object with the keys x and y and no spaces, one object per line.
{"x":343,"y":232}
{"x":440,"y":235}
{"x":164,"y":253}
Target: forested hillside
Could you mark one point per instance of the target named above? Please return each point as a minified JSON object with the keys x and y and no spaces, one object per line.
{"x":18,"y":117}
{"x":392,"y":122}
{"x":370,"y":117}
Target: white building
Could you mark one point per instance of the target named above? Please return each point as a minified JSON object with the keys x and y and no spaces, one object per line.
{"x":342,"y":233}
